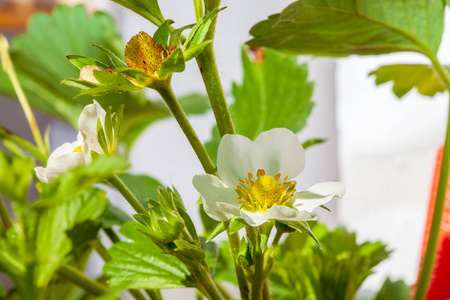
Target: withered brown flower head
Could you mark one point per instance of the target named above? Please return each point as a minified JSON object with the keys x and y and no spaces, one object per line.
{"x":142,"y":52}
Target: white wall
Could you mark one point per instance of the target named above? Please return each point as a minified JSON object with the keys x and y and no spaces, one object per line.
{"x":387,"y":151}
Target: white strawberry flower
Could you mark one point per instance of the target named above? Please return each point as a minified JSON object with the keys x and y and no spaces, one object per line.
{"x":71,"y":155}
{"x":256,"y":180}
{"x":64,"y":158}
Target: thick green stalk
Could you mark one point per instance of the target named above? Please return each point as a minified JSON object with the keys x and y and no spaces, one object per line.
{"x":112,"y":235}
{"x":8,"y":67}
{"x":258,"y":275}
{"x":77,"y":277}
{"x":430,"y":253}
{"x":199,"y":13}
{"x":166,"y":92}
{"x":206,"y":62}
{"x":127,"y":194}
{"x":242,"y":280}
{"x":4,"y":214}
{"x":207,"y":283}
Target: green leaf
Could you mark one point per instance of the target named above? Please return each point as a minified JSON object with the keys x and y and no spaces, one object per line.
{"x":274,"y":93}
{"x":148,"y":9}
{"x":406,"y":77}
{"x":114,"y":216}
{"x":81,"y":177}
{"x":341,"y":28}
{"x":175,"y":36}
{"x":15,"y":174}
{"x":140,"y":263}
{"x":397,"y":290}
{"x":143,"y":186}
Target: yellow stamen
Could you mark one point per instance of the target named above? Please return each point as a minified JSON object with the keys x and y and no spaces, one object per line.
{"x":277,"y":176}
{"x":241,"y":180}
{"x":292,"y":192}
{"x":78,"y":149}
{"x":292,"y":183}
{"x":285,"y":178}
{"x":239,"y":188}
{"x":250,"y":175}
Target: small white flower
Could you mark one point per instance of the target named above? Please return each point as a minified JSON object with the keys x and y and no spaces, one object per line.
{"x":70,"y":155}
{"x":255,"y":180}
{"x":87,"y":124}
{"x":64,"y":158}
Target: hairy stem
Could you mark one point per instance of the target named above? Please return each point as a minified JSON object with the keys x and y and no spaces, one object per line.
{"x":430,"y":253}
{"x":166,"y":92}
{"x":8,"y":67}
{"x":206,"y":62}
{"x":127,"y":194}
{"x":258,"y":275}
{"x":77,"y":277}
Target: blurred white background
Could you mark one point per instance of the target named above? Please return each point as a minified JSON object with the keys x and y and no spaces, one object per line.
{"x":386,"y":147}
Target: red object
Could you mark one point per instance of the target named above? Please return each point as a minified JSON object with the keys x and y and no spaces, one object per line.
{"x":439,"y":288}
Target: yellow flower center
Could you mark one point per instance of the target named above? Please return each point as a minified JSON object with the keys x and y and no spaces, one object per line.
{"x":78,"y":149}
{"x":265,"y":192}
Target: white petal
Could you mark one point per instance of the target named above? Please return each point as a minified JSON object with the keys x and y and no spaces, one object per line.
{"x":278,"y":151}
{"x":87,"y":124}
{"x":276,"y":212}
{"x":62,"y":150}
{"x":40,"y":173}
{"x":64,"y":163}
{"x":233,"y":159}
{"x":213,"y":190}
{"x":318,"y":195}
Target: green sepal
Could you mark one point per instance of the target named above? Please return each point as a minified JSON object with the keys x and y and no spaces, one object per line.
{"x":142,"y":79}
{"x":115,"y":60}
{"x":81,"y":84}
{"x":301,"y":226}
{"x":175,"y":37}
{"x":109,"y":131}
{"x":189,"y":224}
{"x":244,"y":258}
{"x":189,"y":254}
{"x":237,"y":224}
{"x":101,"y":137}
{"x":110,"y":83}
{"x":265,"y":229}
{"x":199,"y":32}
{"x":312,"y":142}
{"x":221,"y":227}
{"x":161,"y":35}
{"x":80,"y":61}
{"x":192,"y":52}
{"x":173,"y":63}
{"x":149,"y":9}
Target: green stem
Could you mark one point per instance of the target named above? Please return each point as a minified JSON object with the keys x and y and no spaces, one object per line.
{"x":8,"y":67}
{"x":166,"y":92}
{"x":242,"y":280}
{"x":258,"y":275}
{"x":430,"y":253}
{"x":77,"y":277}
{"x":4,"y":214}
{"x":154,"y":294}
{"x":206,"y":62}
{"x":208,"y":284}
{"x":127,"y":194}
{"x":199,"y":13}
{"x":4,"y":134}
{"x":266,"y":291}
{"x":101,"y":250}
{"x":112,"y":235}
